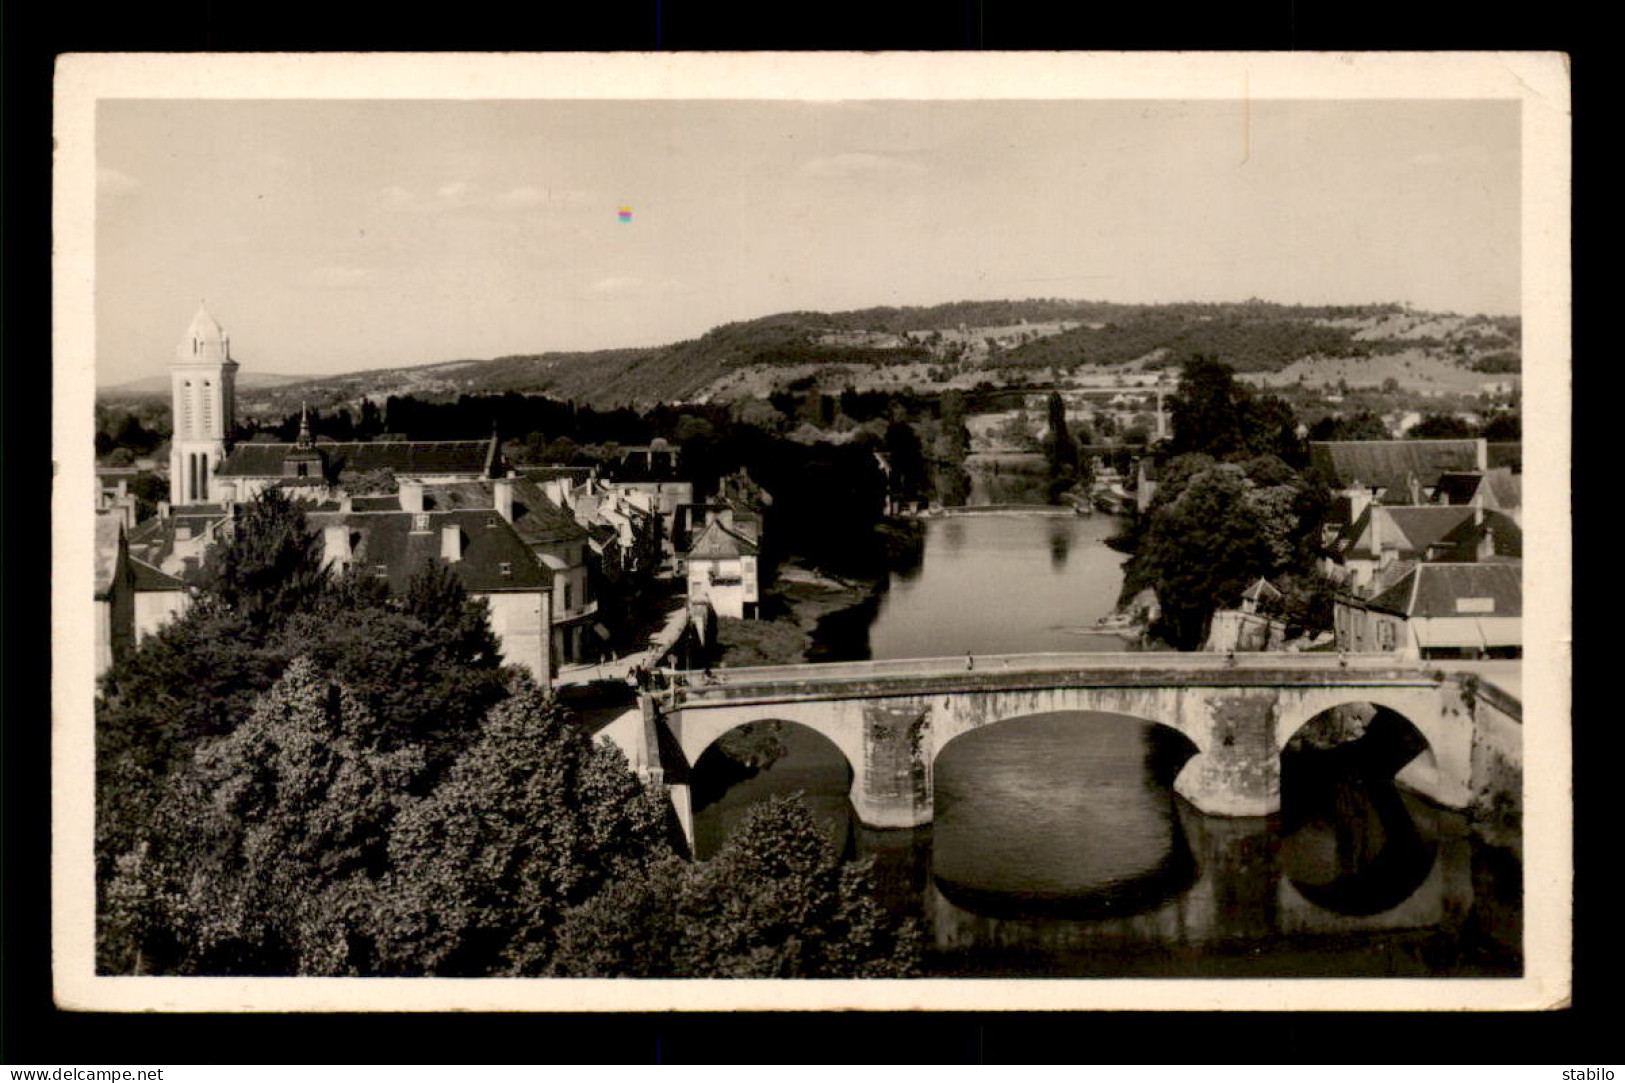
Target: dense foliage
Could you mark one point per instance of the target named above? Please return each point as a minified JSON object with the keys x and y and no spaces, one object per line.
{"x":775,"y":902}
{"x":1229,"y":509}
{"x":306,"y":775}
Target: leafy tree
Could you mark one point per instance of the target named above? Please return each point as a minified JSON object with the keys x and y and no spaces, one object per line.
{"x":1362,"y":425}
{"x":1062,"y":449}
{"x":1504,"y":428}
{"x":262,"y":857}
{"x":1440,"y":427}
{"x":532,"y":818}
{"x":1208,"y":412}
{"x":909,"y":479}
{"x":273,"y":567}
{"x":1211,"y":530}
{"x":775,"y":902}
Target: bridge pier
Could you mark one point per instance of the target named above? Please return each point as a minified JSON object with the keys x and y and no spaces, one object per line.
{"x":1237,"y":770}
{"x":891,"y":785}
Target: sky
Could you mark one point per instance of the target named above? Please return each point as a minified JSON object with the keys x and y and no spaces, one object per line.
{"x":330,"y":236}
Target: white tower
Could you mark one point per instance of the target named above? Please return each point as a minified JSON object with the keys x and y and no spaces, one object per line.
{"x":203,"y":382}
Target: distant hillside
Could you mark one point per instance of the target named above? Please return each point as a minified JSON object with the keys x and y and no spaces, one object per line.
{"x":247,"y":380}
{"x":959,"y":343}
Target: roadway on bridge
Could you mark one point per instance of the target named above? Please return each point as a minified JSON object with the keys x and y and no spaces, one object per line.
{"x":1504,"y":674}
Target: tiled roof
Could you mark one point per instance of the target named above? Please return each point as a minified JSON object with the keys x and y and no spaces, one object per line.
{"x":149,"y":578}
{"x":107,"y":534}
{"x":1508,"y":455}
{"x":405,"y":457}
{"x":1381,"y":463}
{"x":1409,"y":529}
{"x":154,"y":539}
{"x":1424,"y":525}
{"x":537,"y":519}
{"x":144,"y":577}
{"x":1505,"y":535}
{"x":1434,"y":590}
{"x":493,"y":556}
{"x":1505,"y":486}
{"x":715,"y":541}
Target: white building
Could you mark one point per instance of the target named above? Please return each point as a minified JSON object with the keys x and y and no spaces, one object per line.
{"x":724,"y":565}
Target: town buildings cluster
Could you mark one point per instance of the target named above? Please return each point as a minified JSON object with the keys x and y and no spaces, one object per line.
{"x":538,"y":544}
{"x":1426,"y":543}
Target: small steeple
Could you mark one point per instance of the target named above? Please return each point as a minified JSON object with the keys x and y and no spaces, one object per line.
{"x":305,"y":440}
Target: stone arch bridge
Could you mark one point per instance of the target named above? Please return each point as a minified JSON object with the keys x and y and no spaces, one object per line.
{"x":891,"y":719}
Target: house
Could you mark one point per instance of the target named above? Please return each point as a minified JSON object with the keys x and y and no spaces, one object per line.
{"x":1439,"y":610}
{"x":554,"y":539}
{"x":723,"y":564}
{"x":1383,"y":538}
{"x":175,"y":540}
{"x":133,"y":599}
{"x":482,"y":548}
{"x":1394,"y":471}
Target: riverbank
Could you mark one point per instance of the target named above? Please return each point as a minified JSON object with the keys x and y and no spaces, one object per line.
{"x":811,"y":615}
{"x":798,"y":602}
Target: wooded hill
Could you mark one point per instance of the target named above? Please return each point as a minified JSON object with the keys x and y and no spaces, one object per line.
{"x":944,"y":340}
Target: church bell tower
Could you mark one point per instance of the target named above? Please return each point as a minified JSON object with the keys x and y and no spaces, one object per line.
{"x":203,"y":384}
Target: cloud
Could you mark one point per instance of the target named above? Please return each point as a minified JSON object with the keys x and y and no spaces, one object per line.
{"x":615,"y":284}
{"x":338,"y":278}
{"x":115,"y":182}
{"x":464,"y":196}
{"x":858,"y":163}
{"x":612,"y":285}
{"x":528,"y":195}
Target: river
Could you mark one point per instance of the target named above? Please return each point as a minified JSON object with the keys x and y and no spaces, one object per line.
{"x":1059,"y":847}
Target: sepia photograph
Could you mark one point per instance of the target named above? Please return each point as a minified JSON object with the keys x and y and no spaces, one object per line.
{"x":749,"y":531}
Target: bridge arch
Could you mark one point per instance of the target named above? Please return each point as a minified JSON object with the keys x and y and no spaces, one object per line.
{"x":1441,"y":722}
{"x":756,"y":749}
{"x":1174,"y":753}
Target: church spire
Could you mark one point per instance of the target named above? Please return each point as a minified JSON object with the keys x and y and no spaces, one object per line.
{"x":305,"y":440}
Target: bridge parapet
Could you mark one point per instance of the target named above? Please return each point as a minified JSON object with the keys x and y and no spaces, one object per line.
{"x":927,"y":676}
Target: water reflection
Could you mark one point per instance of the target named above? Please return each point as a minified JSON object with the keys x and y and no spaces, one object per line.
{"x":1034,"y":818}
{"x":1060,"y":543}
{"x":1059,"y":849}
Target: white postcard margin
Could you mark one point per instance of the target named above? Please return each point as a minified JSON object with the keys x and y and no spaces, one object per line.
{"x":1538,"y":80}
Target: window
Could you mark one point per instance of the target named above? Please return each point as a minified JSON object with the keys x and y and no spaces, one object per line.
{"x":569,"y":599}
{"x":507,"y":570}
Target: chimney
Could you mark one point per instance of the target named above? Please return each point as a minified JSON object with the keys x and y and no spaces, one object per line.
{"x":336,"y":545}
{"x":502,"y":488}
{"x":411,"y":494}
{"x":163,"y":509}
{"x":346,"y":506}
{"x":1359,"y":500}
{"x":451,"y":543}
